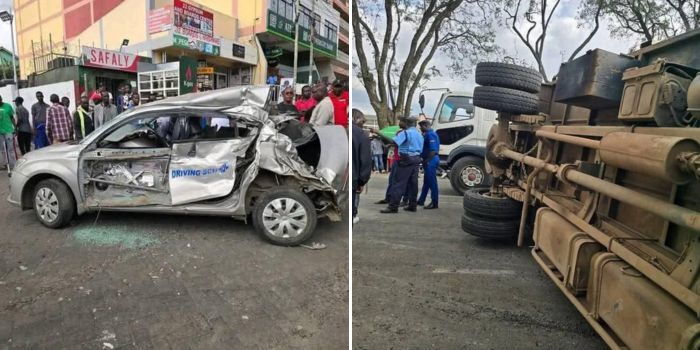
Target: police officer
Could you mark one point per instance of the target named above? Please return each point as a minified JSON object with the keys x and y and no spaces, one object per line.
{"x":431,"y":161}
{"x":410,"y":144}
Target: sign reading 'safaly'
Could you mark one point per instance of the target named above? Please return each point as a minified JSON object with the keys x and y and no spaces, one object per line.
{"x":101,"y":58}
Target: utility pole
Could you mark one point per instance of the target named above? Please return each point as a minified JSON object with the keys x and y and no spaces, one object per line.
{"x":311,"y":52}
{"x":296,"y":42}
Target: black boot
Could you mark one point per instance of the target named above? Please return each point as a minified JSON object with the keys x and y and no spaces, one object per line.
{"x":431,"y":206}
{"x":409,"y":208}
{"x":383,"y":201}
{"x":389,"y":210}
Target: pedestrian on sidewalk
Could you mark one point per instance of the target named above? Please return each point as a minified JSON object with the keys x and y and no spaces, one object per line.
{"x":59,"y":123}
{"x":378,"y":154}
{"x":7,"y":134}
{"x":24,"y":128}
{"x":39,"y":119}
{"x":287,"y":104}
{"x":323,"y":112}
{"x":104,"y":111}
{"x":305,"y":104}
{"x":431,"y":162}
{"x":82,"y":119}
{"x":361,"y":160}
{"x":410,"y":144}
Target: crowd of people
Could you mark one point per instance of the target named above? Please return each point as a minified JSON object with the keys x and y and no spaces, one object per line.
{"x":50,"y":123}
{"x":317,"y":105}
{"x":414,"y":148}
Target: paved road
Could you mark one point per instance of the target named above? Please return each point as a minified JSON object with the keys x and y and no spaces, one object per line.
{"x":155,"y":281}
{"x":420,"y":282}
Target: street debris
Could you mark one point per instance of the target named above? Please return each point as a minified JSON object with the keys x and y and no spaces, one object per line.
{"x":22,"y":267}
{"x":245,"y":317}
{"x":114,"y":236}
{"x":107,"y":346}
{"x":314,"y":246}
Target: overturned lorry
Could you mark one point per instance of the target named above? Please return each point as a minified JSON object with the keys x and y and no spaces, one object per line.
{"x":603,"y":167}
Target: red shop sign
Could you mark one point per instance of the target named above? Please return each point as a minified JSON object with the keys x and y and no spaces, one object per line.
{"x":94,"y":57}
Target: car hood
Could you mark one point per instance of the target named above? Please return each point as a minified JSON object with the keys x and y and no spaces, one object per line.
{"x":63,"y":150}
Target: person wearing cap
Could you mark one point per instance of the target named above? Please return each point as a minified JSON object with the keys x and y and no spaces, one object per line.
{"x":323,"y":112}
{"x":431,"y":162}
{"x":24,"y":128}
{"x":7,"y":133}
{"x":340,"y":99}
{"x":410,"y":144}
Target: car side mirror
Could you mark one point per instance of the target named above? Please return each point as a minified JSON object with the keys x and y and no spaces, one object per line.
{"x":421,"y":101}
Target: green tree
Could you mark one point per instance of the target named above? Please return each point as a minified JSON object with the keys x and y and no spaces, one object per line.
{"x":460,"y":29}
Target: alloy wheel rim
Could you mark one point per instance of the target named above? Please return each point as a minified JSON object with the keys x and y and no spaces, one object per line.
{"x":285,"y":218}
{"x":46,"y":204}
{"x":472,"y":176}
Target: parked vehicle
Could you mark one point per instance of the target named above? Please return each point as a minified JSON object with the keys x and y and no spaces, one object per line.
{"x":463,"y":130}
{"x":604,"y":166}
{"x":213,"y":153}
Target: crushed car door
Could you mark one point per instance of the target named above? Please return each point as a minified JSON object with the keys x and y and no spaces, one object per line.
{"x":128,"y":167}
{"x":202,"y":167}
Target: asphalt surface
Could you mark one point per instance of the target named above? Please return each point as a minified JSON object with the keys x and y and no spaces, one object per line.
{"x":420,"y":282}
{"x":155,"y":281}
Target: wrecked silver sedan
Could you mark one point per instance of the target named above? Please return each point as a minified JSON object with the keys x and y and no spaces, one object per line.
{"x":214,"y":153}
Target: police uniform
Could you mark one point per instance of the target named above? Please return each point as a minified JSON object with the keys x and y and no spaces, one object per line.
{"x":410,"y":144}
{"x":430,"y":165}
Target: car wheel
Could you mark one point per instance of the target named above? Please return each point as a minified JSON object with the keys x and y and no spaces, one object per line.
{"x":506,"y":100}
{"x":285,"y":217}
{"x":54,"y":204}
{"x":467,"y":173}
{"x":479,"y":202}
{"x":508,"y":75}
{"x":490,"y":228}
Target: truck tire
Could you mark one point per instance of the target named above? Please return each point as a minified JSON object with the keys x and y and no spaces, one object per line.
{"x":468,"y":172}
{"x":477,"y":202}
{"x":490,"y":228}
{"x":284,"y":216}
{"x":506,"y":100}
{"x":508,"y":75}
{"x":53,"y":202}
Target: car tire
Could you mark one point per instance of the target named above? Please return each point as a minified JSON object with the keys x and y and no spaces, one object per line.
{"x":490,"y":228}
{"x":467,"y":173}
{"x":509,"y":76}
{"x":477,"y":202}
{"x":284,"y":216}
{"x":53,"y":202}
{"x":506,"y":100}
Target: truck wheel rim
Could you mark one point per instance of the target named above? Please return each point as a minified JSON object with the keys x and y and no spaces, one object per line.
{"x":472,"y":176}
{"x":46,"y":204}
{"x":285,"y":218}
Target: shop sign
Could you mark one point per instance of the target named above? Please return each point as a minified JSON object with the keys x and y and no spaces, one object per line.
{"x":160,"y":19}
{"x":205,"y":70}
{"x":108,"y":59}
{"x":196,"y":26}
{"x":188,"y":74}
{"x":188,"y":43}
{"x":238,"y":51}
{"x":273,"y":52}
{"x":284,"y":27}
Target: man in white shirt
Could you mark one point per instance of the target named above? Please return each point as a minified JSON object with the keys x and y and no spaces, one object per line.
{"x":323,"y":112}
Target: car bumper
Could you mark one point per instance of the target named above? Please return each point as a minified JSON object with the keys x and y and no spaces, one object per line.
{"x":17,"y":182}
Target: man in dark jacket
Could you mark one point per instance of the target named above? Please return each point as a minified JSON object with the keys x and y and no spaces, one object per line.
{"x":82,"y":119}
{"x":361,"y":160}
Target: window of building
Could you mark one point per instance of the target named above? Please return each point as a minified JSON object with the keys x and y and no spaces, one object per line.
{"x":317,"y":24}
{"x":305,"y":17}
{"x":160,"y":84}
{"x":284,"y":8}
{"x":330,"y":31}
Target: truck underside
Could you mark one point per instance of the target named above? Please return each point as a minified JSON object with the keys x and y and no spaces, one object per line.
{"x":610,"y":174}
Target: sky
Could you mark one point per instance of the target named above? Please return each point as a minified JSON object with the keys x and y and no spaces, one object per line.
{"x":5,"y":38}
{"x":562,"y":39}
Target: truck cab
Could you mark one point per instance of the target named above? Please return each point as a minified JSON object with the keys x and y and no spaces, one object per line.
{"x":463,"y":130}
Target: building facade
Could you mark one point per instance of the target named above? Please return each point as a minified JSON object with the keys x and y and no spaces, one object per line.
{"x":271,"y":24}
{"x":163,"y":37}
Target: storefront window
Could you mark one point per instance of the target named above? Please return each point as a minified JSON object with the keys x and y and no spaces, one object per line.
{"x":162,"y":84}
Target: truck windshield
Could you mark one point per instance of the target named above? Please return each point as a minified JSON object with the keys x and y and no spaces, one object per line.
{"x":456,"y":108}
